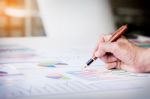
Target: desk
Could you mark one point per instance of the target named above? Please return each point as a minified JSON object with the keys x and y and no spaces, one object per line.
{"x":34,"y":84}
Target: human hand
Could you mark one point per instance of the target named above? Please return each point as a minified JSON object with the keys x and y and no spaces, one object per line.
{"x":122,"y":54}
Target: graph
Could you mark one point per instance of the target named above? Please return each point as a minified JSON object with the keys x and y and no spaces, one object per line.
{"x":92,"y":75}
{"x":54,"y":64}
{"x":17,"y":53}
{"x":57,"y":76}
{"x":97,"y":75}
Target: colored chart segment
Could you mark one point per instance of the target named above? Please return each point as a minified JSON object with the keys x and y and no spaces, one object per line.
{"x":52,"y":64}
{"x":92,"y":75}
{"x":57,"y":76}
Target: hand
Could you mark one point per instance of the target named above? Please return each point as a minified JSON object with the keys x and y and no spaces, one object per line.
{"x":122,"y":54}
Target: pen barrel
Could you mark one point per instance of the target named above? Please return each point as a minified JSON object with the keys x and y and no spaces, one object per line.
{"x":91,"y":61}
{"x":118,"y":33}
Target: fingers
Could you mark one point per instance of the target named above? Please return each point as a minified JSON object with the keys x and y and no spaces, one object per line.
{"x":108,"y":58}
{"x":102,"y":46}
{"x":111,"y":65}
{"x":101,"y":40}
{"x":106,"y":48}
{"x":120,"y":65}
{"x":114,"y":65}
{"x":97,"y":47}
{"x":100,"y":52}
{"x":113,"y":46}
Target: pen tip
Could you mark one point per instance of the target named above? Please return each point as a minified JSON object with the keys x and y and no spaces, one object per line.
{"x":85,"y":66}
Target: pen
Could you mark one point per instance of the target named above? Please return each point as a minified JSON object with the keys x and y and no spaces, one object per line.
{"x":117,"y":34}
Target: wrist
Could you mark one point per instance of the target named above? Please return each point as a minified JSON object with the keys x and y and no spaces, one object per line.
{"x":142,"y":63}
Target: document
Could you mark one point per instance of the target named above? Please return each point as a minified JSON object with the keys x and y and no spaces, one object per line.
{"x":18,"y":54}
{"x":8,"y":70}
{"x":38,"y":80}
{"x":21,"y":78}
{"x":99,"y":75}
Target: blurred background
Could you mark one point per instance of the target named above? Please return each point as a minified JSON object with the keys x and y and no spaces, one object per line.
{"x":21,"y":18}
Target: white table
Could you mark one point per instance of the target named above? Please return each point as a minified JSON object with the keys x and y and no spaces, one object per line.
{"x":43,"y":44}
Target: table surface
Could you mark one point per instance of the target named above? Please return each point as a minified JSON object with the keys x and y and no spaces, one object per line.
{"x":44,"y":43}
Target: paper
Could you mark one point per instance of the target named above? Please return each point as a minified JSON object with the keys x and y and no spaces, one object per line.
{"x":8,"y":70}
{"x":56,"y":81}
{"x":54,"y":64}
{"x":99,"y":75}
{"x":17,"y":53}
{"x":30,"y":79}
